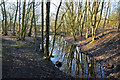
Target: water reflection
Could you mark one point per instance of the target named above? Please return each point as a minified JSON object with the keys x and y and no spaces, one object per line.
{"x":74,"y":62}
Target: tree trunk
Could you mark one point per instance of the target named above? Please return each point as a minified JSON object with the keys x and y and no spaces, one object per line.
{"x":34,"y":19}
{"x":47,"y":27}
{"x":29,"y":34}
{"x":84,"y":18}
{"x":93,"y":22}
{"x":55,"y":28}
{"x":119,"y":25}
{"x":2,"y":20}
{"x":19,"y":17}
{"x":81,"y":16}
{"x":23,"y":17}
{"x":87,"y":21}
{"x":42,"y":26}
{"x":105,"y":18}
{"x":26,"y":20}
{"x":93,"y":35}
{"x":119,"y":16}
{"x":86,"y":36}
{"x":5,"y":29}
{"x":10,"y":22}
{"x":15,"y":19}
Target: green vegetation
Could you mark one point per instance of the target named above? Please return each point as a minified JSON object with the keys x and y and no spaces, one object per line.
{"x":20,"y":46}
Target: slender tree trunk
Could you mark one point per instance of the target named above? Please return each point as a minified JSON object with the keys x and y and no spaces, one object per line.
{"x":47,"y":27}
{"x":26,"y":19}
{"x":105,"y":18}
{"x":42,"y":25}
{"x":119,"y":16}
{"x":30,"y":30}
{"x":10,"y":22}
{"x":86,"y":23}
{"x":19,"y":17}
{"x":23,"y":17}
{"x":93,"y":35}
{"x":109,"y":16}
{"x":81,"y":16}
{"x":34,"y":19}
{"x":15,"y":19}
{"x":119,"y":26}
{"x":84,"y":18}
{"x":2,"y":20}
{"x":55,"y":28}
{"x":5,"y":29}
{"x":86,"y":36}
{"x":100,"y":15}
{"x":35,"y":29}
{"x":94,"y":22}
{"x":2,"y":26}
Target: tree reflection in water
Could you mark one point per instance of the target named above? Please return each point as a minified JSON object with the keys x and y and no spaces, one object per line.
{"x":75,"y":62}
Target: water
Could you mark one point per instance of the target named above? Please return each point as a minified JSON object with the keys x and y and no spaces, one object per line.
{"x":73,"y":62}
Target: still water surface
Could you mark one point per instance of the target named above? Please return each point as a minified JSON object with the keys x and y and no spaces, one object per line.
{"x":73,"y":62}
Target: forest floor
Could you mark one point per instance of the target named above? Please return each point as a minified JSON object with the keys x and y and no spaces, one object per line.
{"x":105,"y":49}
{"x":22,"y":59}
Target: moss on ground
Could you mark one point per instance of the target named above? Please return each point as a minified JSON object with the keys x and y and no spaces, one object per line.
{"x":18,"y":46}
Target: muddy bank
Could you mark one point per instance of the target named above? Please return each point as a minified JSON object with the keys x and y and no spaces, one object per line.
{"x":22,"y":59}
{"x":105,"y":49}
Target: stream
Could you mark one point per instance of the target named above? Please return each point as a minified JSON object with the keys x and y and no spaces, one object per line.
{"x":73,"y":62}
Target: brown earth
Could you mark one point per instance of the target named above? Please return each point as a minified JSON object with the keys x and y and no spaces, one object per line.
{"x":105,"y":49}
{"x":26,"y":61}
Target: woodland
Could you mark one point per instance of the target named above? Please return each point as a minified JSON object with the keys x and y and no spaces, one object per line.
{"x":32,"y":31}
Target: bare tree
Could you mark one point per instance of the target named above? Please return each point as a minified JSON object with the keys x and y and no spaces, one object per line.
{"x":93,"y":18}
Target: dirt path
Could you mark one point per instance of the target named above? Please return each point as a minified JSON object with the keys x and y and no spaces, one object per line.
{"x":105,"y":50}
{"x":22,"y":59}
